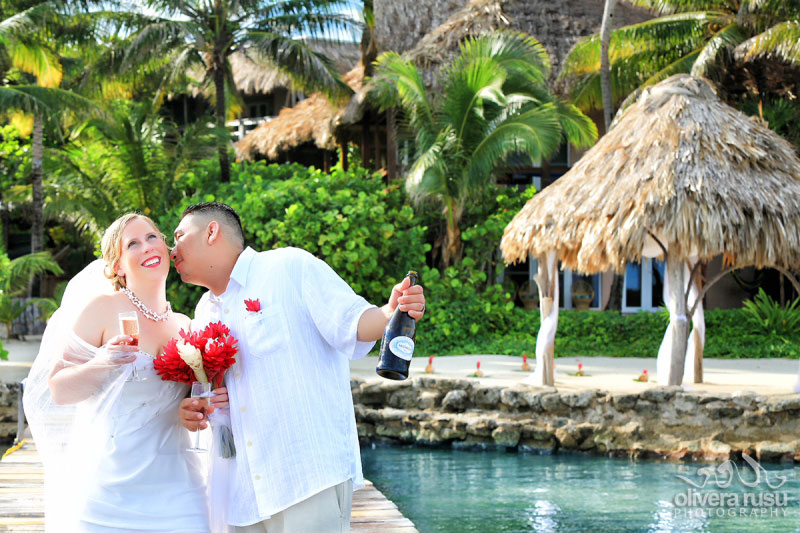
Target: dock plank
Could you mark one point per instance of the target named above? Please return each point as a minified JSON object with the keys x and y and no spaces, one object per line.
{"x":22,"y":499}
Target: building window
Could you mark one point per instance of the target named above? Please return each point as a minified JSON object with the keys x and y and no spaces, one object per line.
{"x":566,"y":278}
{"x":644,"y":286}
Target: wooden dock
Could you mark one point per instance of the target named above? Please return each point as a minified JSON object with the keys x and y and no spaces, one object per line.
{"x":22,"y":499}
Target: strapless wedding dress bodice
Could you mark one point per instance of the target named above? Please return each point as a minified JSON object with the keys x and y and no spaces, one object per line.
{"x":147,"y":479}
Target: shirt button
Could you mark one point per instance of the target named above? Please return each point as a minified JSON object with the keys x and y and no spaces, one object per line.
{"x":227,"y":311}
{"x":249,"y":443}
{"x":238,"y":375}
{"x":258,"y":477}
{"x":244,"y":409}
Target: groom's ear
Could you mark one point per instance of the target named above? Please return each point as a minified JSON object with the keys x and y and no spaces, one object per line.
{"x":213,"y":232}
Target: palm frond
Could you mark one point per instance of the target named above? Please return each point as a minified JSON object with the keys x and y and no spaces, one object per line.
{"x":721,"y":44}
{"x":682,"y":65}
{"x":428,"y":174}
{"x":43,"y":100}
{"x":681,"y":6}
{"x":683,"y":32}
{"x":536,"y":132}
{"x":24,"y":268}
{"x":157,"y":40}
{"x":398,"y":83}
{"x":467,"y":90}
{"x":309,"y":70}
{"x":781,"y":41}
{"x":522,"y":57}
{"x":578,"y":129}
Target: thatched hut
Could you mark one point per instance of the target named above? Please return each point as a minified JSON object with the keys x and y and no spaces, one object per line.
{"x":681,"y":175}
{"x":307,"y":122}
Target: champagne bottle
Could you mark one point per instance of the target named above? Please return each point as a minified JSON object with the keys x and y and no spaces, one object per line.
{"x":397,"y":344}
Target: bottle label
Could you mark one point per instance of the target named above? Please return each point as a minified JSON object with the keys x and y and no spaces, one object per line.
{"x":402,"y":347}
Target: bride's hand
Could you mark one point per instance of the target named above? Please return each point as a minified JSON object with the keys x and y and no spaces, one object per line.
{"x":116,"y":352}
{"x":191,"y":414}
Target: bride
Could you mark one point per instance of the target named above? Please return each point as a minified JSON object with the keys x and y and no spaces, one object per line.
{"x":105,"y":424}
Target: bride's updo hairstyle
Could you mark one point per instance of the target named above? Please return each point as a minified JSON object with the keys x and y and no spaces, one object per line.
{"x":111,"y":245}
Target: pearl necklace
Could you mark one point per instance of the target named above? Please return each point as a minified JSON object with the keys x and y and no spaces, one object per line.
{"x":146,"y":311}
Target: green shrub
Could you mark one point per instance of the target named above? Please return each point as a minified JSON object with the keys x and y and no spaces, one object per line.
{"x":457,"y":310}
{"x":587,"y":333}
{"x":365,"y":230}
{"x":767,"y":315}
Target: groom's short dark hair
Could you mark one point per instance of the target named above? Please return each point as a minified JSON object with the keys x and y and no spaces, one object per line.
{"x":223,"y":212}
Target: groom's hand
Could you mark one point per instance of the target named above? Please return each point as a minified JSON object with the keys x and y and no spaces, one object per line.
{"x":219,"y":400}
{"x":191,"y":414}
{"x":409,"y":298}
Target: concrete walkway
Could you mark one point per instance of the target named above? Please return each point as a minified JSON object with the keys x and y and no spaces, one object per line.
{"x":762,"y":376}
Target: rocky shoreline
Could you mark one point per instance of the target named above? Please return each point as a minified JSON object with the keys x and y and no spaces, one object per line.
{"x":659,"y":422}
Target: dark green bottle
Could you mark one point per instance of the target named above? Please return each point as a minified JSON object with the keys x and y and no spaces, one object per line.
{"x":397,"y":345}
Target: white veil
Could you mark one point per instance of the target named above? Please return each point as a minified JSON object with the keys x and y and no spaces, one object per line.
{"x":67,"y":435}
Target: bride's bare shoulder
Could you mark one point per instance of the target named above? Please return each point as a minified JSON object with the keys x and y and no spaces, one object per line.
{"x":99,"y":315}
{"x":184,"y":322}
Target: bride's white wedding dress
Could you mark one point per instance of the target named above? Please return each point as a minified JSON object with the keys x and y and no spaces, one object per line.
{"x":147,"y":480}
{"x":117,"y":460}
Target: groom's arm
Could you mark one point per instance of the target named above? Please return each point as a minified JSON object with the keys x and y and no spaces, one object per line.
{"x":374,"y":320}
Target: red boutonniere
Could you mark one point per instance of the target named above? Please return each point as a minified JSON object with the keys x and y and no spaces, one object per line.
{"x":253,"y":305}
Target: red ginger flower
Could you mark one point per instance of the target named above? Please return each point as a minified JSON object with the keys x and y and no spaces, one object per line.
{"x":216,"y":345}
{"x":253,"y":305}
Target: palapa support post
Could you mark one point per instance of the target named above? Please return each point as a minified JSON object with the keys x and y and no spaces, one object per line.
{"x":547,"y":280}
{"x":697,"y":339}
{"x":678,"y":320}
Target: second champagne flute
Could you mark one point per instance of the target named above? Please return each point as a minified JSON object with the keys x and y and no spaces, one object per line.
{"x":202,"y":391}
{"x":129,"y":325}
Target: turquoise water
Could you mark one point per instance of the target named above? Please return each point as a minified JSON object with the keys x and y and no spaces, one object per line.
{"x":444,"y":490}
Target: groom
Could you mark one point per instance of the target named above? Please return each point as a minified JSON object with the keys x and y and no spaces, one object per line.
{"x":297,"y":460}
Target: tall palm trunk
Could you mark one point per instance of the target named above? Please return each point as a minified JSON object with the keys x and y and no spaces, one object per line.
{"x":615,"y":297}
{"x":37,"y":225}
{"x":451,"y":247}
{"x":605,"y":66}
{"x":219,"y":111}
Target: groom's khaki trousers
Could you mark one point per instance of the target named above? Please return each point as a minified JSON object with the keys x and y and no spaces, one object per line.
{"x":324,"y":512}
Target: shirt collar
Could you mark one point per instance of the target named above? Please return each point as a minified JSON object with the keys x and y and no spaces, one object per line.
{"x":242,"y":266}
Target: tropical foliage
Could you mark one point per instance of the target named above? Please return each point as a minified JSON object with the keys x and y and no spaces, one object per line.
{"x":14,"y":278}
{"x":494,"y":103}
{"x":194,"y":35}
{"x":691,"y":36}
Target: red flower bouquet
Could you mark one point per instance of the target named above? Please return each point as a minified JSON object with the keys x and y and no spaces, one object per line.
{"x":201,"y":356}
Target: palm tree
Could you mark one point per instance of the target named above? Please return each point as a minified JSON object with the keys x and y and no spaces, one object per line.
{"x":26,"y":39}
{"x":204,"y":33}
{"x":691,"y":36}
{"x":32,"y":56}
{"x":494,"y":103}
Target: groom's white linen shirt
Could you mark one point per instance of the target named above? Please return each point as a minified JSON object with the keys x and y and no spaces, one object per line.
{"x":290,"y":400}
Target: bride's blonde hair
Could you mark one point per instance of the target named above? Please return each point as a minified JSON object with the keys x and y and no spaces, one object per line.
{"x":111,"y":246}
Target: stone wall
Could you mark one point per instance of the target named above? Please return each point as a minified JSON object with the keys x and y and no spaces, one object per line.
{"x":661,"y":422}
{"x":9,"y":392}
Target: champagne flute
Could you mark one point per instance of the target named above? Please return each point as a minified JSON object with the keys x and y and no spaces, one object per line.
{"x":200,"y":389}
{"x":129,"y":325}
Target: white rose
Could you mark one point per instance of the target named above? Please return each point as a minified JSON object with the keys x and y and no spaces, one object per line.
{"x":192,"y":357}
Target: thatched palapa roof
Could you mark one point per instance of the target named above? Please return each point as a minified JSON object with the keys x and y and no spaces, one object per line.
{"x":308,"y":121}
{"x":682,"y":166}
